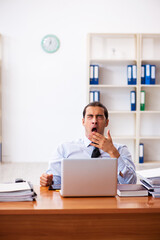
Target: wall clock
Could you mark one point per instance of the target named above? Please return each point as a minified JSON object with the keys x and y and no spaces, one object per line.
{"x":50,"y":43}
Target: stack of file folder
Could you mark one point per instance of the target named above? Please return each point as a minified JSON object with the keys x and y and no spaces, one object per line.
{"x":17,"y":192}
{"x":150,"y":178}
{"x":153,"y":186}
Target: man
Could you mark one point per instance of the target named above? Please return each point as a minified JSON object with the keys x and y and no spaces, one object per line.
{"x":95,"y":120}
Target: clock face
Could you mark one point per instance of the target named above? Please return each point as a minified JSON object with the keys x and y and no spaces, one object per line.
{"x":50,"y":43}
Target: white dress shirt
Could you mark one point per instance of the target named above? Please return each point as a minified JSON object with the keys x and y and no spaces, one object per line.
{"x":81,"y":148}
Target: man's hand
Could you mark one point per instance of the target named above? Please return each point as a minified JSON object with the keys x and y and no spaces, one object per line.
{"x":46,"y":179}
{"x":105,"y":144}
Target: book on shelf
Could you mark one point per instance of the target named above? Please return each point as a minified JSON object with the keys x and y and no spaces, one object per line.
{"x":131,"y":190}
{"x":142,"y":103}
{"x":132,"y":74}
{"x":17,"y":192}
{"x":129,"y":74}
{"x":143,"y":74}
{"x":153,"y":74}
{"x":94,"y":96}
{"x":148,"y":74}
{"x":141,"y":153}
{"x":94,"y":74}
{"x":133,"y":100}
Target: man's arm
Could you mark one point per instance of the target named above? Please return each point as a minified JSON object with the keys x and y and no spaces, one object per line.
{"x":126,"y":168}
{"x":54,"y":169}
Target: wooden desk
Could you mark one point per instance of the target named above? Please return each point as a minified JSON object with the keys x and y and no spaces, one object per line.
{"x":54,"y":217}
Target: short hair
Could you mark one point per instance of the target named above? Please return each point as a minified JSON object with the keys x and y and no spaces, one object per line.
{"x":96,"y":104}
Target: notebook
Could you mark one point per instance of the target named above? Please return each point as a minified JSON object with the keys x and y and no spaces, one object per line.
{"x":88,"y":177}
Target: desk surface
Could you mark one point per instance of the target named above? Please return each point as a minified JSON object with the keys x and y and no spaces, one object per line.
{"x":50,"y":202}
{"x":113,"y":218}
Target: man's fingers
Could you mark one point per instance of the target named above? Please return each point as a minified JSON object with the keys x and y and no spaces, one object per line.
{"x":98,"y":135}
{"x":46,"y":179}
{"x":94,"y":139}
{"x":95,"y":145}
{"x":108,"y":134}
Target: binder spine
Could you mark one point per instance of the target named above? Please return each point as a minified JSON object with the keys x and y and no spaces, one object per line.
{"x":96,"y":74}
{"x":129,"y":74}
{"x":134,"y":74}
{"x":141,"y":153}
{"x":91,"y":96}
{"x":148,"y":74}
{"x":94,"y":96}
{"x":133,"y":100}
{"x":91,"y":74}
{"x":143,"y":74}
{"x":142,"y":103}
{"x":153,"y":74}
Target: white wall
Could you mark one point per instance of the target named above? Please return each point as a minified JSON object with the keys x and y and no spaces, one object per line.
{"x":43,"y":95}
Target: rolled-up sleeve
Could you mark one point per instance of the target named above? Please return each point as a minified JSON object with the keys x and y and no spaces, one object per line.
{"x":126,"y":168}
{"x":54,"y":166}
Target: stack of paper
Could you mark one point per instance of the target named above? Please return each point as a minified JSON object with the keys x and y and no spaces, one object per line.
{"x":151,"y":180}
{"x":131,"y":190}
{"x":16,"y":192}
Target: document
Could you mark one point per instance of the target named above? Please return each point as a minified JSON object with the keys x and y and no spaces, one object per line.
{"x":131,"y":190}
{"x":16,"y":192}
{"x":154,"y":172}
{"x":12,"y":187}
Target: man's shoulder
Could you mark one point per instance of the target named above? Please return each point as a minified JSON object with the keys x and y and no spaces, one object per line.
{"x":119,"y":146}
{"x":79,"y":141}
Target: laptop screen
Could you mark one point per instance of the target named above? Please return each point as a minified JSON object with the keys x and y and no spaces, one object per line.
{"x":89,"y":177}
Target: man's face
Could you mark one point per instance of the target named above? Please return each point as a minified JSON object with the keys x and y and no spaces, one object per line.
{"x":94,"y":120}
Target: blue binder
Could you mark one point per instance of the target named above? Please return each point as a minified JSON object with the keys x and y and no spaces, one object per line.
{"x":143,"y":74}
{"x":148,"y":74}
{"x":134,"y":74}
{"x":153,"y":74}
{"x":94,"y":74}
{"x":91,"y":74}
{"x":91,"y":96}
{"x":141,"y":153}
{"x":96,"y":96}
{"x":133,"y":100}
{"x":129,"y":74}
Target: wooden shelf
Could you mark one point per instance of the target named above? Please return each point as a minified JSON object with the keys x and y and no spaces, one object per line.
{"x":124,"y":137}
{"x":122,"y":112}
{"x":150,"y":112}
{"x":149,"y":137}
{"x":111,"y":86}
{"x":150,"y":86}
{"x":113,"y":52}
{"x":114,"y":61}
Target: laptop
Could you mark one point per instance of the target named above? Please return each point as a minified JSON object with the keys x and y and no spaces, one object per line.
{"x":88,"y":177}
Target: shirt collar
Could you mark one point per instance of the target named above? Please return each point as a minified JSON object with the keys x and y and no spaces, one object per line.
{"x":86,"y":141}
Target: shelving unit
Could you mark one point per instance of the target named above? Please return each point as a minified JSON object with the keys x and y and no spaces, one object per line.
{"x":113,"y":52}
